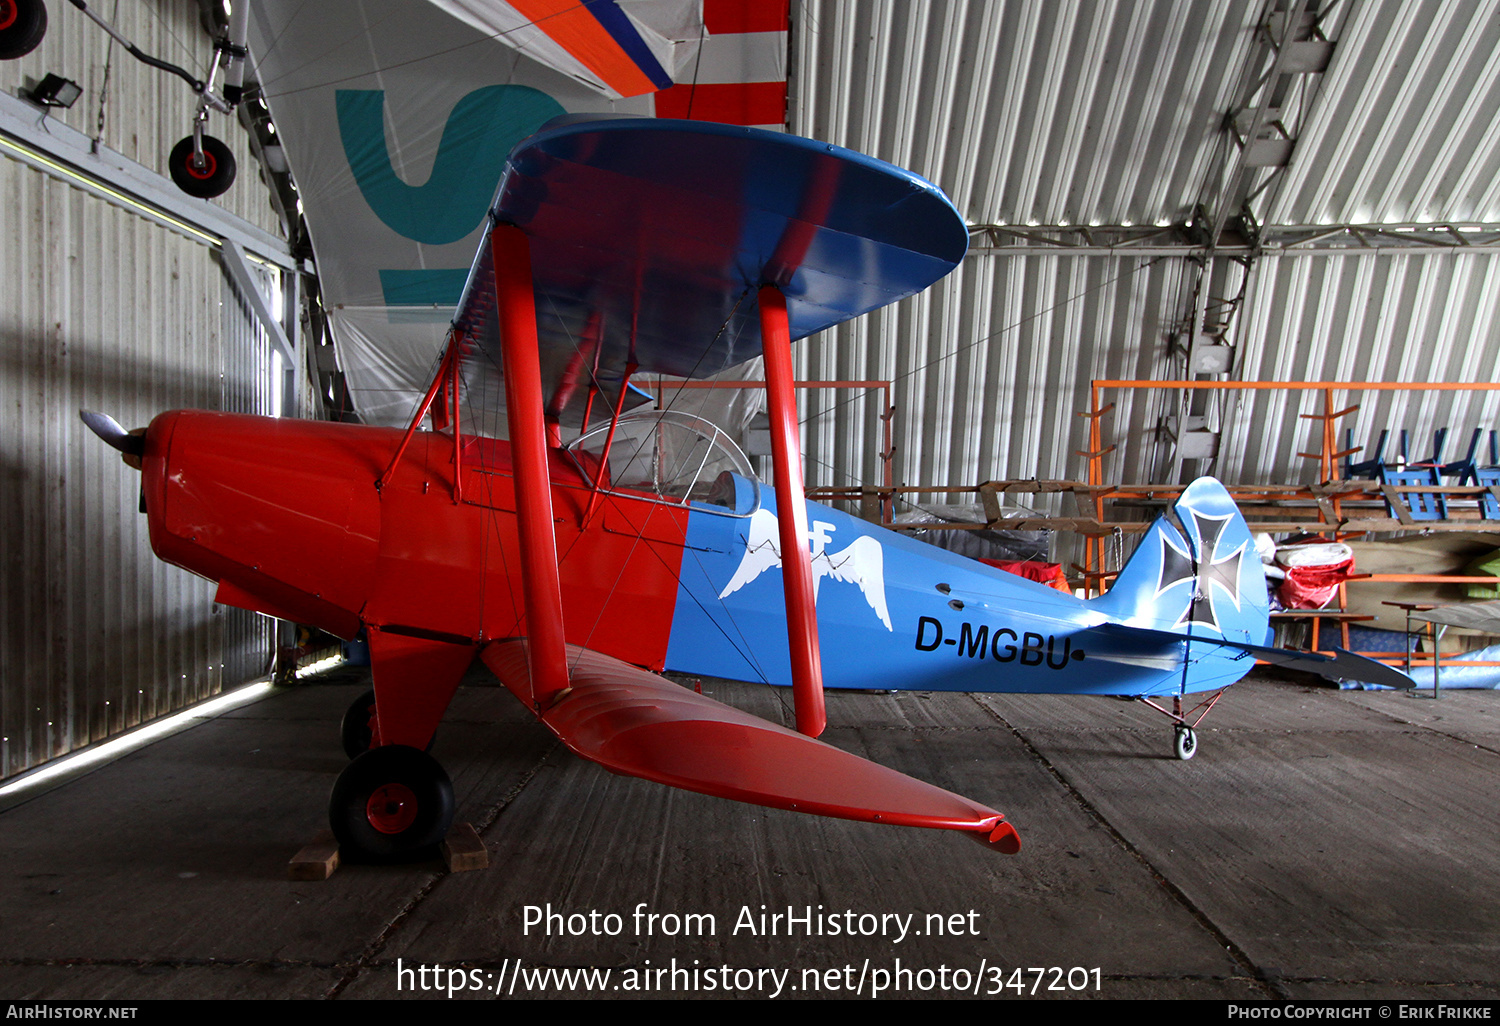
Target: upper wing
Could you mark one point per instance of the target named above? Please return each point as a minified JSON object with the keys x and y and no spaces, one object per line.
{"x":618,"y":51}
{"x":641,"y":725}
{"x":649,"y":239}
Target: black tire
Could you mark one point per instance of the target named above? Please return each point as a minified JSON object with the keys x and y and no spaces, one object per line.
{"x":354,"y":731}
{"x":213,"y":179}
{"x":391,"y":804}
{"x":23,"y":23}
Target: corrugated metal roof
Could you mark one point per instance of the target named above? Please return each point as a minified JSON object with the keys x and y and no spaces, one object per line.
{"x":1027,"y":111}
{"x":1406,"y":122}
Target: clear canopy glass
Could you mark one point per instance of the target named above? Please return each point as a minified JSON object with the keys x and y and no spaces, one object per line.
{"x":672,"y":457}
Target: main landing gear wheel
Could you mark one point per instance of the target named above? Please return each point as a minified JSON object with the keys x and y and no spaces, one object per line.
{"x":23,"y":23}
{"x":1184,"y":742}
{"x":213,"y":178}
{"x":354,"y":731}
{"x":390,"y":804}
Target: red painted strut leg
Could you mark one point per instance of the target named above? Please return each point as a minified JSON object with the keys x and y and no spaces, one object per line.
{"x":432,"y":391}
{"x":791,"y":514}
{"x":516,"y":302}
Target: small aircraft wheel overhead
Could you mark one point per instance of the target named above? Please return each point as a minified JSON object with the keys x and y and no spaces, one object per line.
{"x":355,"y":731}
{"x":23,"y":23}
{"x":1184,"y":742}
{"x":212,"y":178}
{"x":390,"y":803}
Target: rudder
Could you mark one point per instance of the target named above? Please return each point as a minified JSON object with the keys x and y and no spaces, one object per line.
{"x":1199,"y":576}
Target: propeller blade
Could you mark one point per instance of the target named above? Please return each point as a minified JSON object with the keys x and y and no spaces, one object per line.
{"x":109,"y":429}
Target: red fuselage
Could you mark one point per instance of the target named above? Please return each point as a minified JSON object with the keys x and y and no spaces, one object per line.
{"x":286,"y":516}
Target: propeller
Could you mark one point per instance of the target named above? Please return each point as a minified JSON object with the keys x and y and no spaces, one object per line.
{"x":131,"y":443}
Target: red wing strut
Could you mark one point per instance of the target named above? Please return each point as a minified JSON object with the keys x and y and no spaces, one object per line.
{"x":638,"y":724}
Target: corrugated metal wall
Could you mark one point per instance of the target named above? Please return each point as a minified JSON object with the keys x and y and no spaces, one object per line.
{"x":1024,"y":111}
{"x":989,"y":369}
{"x":102,"y":309}
{"x":992,"y":365}
{"x":1094,"y":112}
{"x":1404,"y":126}
{"x":144,"y":110}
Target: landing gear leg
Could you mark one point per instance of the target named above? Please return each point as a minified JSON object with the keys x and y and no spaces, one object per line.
{"x":357,"y":729}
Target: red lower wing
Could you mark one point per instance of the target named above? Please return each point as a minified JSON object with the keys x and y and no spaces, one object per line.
{"x":638,"y":724}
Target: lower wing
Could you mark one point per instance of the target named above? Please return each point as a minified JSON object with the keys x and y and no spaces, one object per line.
{"x":639,"y":724}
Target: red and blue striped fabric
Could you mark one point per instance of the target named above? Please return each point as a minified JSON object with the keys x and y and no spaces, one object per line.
{"x":740,"y":75}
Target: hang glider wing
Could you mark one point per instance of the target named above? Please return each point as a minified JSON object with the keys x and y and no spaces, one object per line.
{"x":650,"y":237}
{"x":620,"y":49}
{"x":638,"y":724}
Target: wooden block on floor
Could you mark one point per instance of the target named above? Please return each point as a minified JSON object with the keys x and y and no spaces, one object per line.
{"x":463,"y":850}
{"x":316,"y":861}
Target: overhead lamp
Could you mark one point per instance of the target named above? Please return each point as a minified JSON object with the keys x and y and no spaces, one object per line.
{"x":56,"y":91}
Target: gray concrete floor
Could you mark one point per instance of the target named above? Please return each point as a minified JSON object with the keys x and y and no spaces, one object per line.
{"x":1323,"y":844}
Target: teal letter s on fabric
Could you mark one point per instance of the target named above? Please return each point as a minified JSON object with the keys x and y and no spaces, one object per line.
{"x":480,"y":132}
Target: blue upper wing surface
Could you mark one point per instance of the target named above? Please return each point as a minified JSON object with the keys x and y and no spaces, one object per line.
{"x":652,"y":236}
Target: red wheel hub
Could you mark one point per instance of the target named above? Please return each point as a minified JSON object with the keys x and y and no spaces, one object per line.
{"x":8,"y":13}
{"x":392,"y":808}
{"x":209,"y":164}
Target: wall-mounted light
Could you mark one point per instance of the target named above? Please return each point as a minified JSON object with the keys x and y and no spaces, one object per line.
{"x":56,"y":91}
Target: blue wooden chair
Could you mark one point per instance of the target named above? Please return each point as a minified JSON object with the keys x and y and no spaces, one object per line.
{"x":1418,"y":505}
{"x":1484,"y":477}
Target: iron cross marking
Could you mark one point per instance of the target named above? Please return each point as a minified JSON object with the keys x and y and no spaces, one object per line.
{"x":1224,"y":571}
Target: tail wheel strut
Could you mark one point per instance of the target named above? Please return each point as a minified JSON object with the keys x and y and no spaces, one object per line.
{"x":1184,"y":724}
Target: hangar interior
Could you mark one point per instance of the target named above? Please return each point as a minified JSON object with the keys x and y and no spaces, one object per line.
{"x":1232,"y":191}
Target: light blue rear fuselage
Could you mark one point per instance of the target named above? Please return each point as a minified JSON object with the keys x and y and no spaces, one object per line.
{"x":955,"y":624}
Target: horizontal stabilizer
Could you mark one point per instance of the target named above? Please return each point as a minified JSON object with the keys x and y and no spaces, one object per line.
{"x":1345,"y":665}
{"x":639,"y":724}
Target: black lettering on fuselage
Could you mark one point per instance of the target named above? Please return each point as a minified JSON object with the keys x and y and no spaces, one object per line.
{"x":1031,"y":649}
{"x":970,"y":644}
{"x":976,"y":642}
{"x":937,"y":635}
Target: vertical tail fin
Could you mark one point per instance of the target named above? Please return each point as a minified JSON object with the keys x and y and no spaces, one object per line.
{"x":1195,"y":572}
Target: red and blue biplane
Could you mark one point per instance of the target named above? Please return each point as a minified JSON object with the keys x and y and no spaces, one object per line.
{"x":619,"y":247}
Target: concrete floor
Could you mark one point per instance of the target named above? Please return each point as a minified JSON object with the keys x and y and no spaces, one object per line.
{"x":1323,"y":844}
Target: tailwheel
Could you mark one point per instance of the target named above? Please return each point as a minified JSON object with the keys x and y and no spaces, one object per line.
{"x":357,"y":726}
{"x":389,"y":804}
{"x":1184,"y":742}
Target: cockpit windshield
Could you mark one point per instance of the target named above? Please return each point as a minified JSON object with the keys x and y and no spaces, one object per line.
{"x":673,"y":457}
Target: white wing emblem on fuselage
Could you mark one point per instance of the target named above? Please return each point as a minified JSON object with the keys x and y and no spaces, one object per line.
{"x":861,"y":563}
